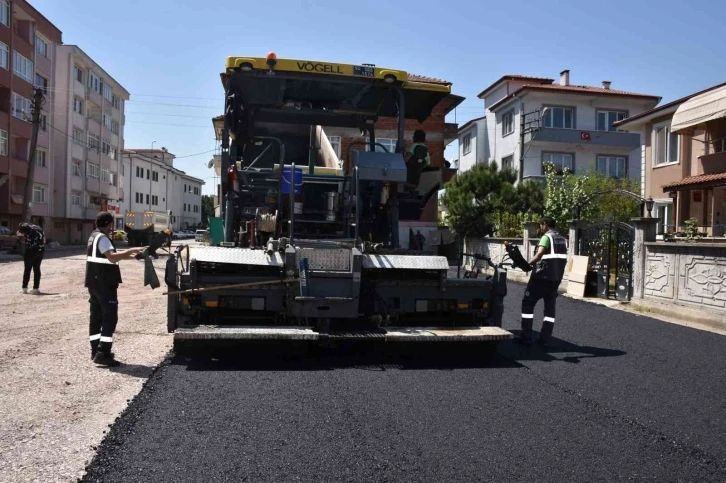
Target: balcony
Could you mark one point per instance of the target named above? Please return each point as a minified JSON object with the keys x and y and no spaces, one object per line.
{"x":712,"y":163}
{"x":577,"y":136}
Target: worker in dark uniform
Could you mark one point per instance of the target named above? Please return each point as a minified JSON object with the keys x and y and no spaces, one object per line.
{"x":548,"y":269}
{"x":102,"y":280}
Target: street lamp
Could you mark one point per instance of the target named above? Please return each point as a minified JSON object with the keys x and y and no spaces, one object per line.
{"x":649,"y":206}
{"x":152,"y":144}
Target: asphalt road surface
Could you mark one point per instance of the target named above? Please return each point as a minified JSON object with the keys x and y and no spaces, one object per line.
{"x":619,"y":397}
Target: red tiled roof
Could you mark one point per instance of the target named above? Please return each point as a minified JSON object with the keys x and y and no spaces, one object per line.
{"x":696,"y":180}
{"x":666,"y":106}
{"x":574,"y":89}
{"x":542,"y":80}
{"x":429,"y":80}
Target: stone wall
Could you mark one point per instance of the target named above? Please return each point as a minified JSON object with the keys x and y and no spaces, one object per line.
{"x":691,"y":274}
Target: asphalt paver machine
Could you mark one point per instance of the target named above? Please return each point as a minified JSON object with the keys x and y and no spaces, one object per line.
{"x":311,"y":247}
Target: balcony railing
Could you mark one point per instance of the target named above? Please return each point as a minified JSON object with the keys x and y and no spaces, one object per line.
{"x":582,"y":136}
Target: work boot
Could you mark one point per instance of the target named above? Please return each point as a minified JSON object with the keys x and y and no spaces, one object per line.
{"x":35,"y":291}
{"x":106,"y":359}
{"x":25,"y":289}
{"x":545,"y":335}
{"x":525,"y":336}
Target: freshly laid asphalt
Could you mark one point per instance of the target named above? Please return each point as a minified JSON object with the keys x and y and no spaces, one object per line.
{"x":618,"y":397}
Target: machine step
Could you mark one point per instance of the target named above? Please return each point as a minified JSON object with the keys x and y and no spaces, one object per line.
{"x":211,"y":332}
{"x":448,"y":334}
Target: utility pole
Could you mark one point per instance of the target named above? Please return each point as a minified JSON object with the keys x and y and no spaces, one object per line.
{"x":38,"y":99}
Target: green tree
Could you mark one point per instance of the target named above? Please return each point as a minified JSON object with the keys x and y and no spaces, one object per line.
{"x":207,"y":208}
{"x":598,"y":197}
{"x":475,"y":199}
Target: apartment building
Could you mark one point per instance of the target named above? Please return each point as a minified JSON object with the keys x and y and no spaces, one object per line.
{"x":152,"y":183}
{"x":28,"y":43}
{"x":530,"y":121}
{"x":88,"y":137}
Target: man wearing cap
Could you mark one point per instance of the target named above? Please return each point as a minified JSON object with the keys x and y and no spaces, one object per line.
{"x":548,"y":269}
{"x":102,"y":280}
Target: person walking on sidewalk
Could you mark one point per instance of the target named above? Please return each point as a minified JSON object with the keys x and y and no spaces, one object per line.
{"x":548,"y":269}
{"x":102,"y":280}
{"x":34,"y":239}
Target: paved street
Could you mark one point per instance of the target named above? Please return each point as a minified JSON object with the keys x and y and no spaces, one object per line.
{"x":619,"y":397}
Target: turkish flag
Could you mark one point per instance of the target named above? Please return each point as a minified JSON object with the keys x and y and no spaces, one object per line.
{"x":585,"y":136}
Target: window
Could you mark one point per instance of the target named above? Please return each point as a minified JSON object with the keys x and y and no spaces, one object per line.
{"x":115,"y":102}
{"x":3,"y":142}
{"x":196,"y":190}
{"x":94,"y":83}
{"x":113,"y":154}
{"x":139,"y":198}
{"x":612,"y":166}
{"x":185,"y":188}
{"x":663,"y":211}
{"x":665,"y":145}
{"x":94,"y":142}
{"x":560,"y":160}
{"x":78,"y":74}
{"x":388,"y":143}
{"x":107,"y":121}
{"x":21,"y":107}
{"x":147,"y":199}
{"x":155,"y":176}
{"x":508,"y":162}
{"x":335,"y":143}
{"x":41,"y":46}
{"x":78,"y":105}
{"x":75,"y":198}
{"x":467,"y":144}
{"x":106,"y":147}
{"x":560,"y":117}
{"x":148,"y":174}
{"x":78,"y":137}
{"x":43,"y":122}
{"x":22,"y":67}
{"x":4,"y":54}
{"x":154,"y":200}
{"x":185,"y":207}
{"x":92,"y":171}
{"x":77,"y":168}
{"x":508,"y":123}
{"x":105,"y":175}
{"x":41,"y":82}
{"x":5,"y":13}
{"x":41,"y":158}
{"x":107,"y":92}
{"x":114,"y":127}
{"x":38,"y":194}
{"x":605,"y":119}
{"x":139,"y":172}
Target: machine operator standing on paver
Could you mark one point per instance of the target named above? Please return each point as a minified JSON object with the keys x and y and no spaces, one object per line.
{"x":549,"y":267}
{"x":102,"y":280}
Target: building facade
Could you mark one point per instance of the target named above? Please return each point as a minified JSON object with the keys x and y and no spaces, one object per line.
{"x":683,"y":160}
{"x":151,"y":183}
{"x":530,"y":121}
{"x":89,"y":137}
{"x":473,"y":143}
{"x":28,"y":43}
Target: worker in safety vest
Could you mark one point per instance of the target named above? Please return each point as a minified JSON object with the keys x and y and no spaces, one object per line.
{"x":548,"y":269}
{"x":419,"y":139}
{"x":102,"y":280}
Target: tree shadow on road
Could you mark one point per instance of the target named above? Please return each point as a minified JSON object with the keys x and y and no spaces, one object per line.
{"x":376,"y":358}
{"x":559,"y":350}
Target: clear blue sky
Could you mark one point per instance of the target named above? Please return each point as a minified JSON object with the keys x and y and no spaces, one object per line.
{"x":168,"y":53}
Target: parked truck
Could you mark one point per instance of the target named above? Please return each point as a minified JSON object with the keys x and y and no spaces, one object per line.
{"x":311,"y":251}
{"x":142,"y":226}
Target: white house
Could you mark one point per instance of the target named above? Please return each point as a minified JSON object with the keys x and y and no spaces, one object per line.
{"x":532,"y":120}
{"x":151,"y":183}
{"x":473,"y":143}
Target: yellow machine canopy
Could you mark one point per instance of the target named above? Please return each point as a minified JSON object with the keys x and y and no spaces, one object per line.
{"x":324,"y":93}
